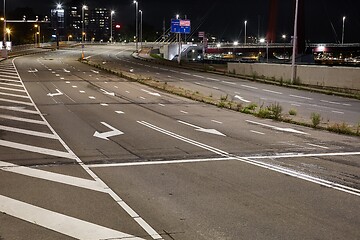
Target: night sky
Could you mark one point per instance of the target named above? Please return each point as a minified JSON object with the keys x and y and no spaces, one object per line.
{"x":225,"y":19}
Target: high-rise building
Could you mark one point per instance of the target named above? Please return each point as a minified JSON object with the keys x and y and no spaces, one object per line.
{"x":99,"y":24}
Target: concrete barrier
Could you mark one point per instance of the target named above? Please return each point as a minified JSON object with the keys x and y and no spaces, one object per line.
{"x":324,"y":76}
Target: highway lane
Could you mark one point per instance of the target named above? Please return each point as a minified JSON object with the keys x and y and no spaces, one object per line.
{"x":331,"y":108}
{"x":189,"y":170}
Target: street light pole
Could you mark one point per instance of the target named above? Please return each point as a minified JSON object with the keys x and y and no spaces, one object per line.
{"x":293,"y":67}
{"x":4,"y":50}
{"x":111,"y":25}
{"x":245,"y":32}
{"x":83,"y":30}
{"x":343,"y":30}
{"x":136,"y":23}
{"x":141,"y":27}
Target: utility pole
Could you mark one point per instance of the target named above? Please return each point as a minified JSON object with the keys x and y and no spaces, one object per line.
{"x":4,"y":50}
{"x":293,"y":66}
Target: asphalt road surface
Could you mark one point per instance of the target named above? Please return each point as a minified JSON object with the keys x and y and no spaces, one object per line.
{"x":88,"y":155}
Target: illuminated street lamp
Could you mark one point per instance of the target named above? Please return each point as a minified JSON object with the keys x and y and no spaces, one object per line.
{"x":245,"y":32}
{"x":70,"y":36}
{"x":343,"y":30}
{"x":8,"y":31}
{"x":111,"y":25}
{"x":284,"y":39}
{"x":136,"y":23}
{"x":84,"y":7}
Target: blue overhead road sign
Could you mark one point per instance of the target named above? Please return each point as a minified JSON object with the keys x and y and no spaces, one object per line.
{"x":180,"y":26}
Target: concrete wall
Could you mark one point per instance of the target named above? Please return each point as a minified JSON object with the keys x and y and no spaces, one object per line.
{"x":338,"y":77}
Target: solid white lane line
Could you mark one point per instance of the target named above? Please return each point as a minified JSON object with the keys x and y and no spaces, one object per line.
{"x":12,"y":89}
{"x":22,"y":119}
{"x":314,"y":145}
{"x":295,"y":96}
{"x":34,"y":149}
{"x":57,"y":222}
{"x":301,"y":155}
{"x":50,"y":176}
{"x":18,"y":109}
{"x":184,"y":139}
{"x":158,"y":162}
{"x":261,"y":133}
{"x":266,"y":90}
{"x":14,"y":95}
{"x":247,"y":86}
{"x":28,"y":132}
{"x":18,"y":102}
{"x":216,"y":121}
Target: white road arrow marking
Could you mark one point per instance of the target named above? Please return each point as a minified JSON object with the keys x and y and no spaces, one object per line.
{"x":67,"y":71}
{"x":278,"y":128}
{"x":55,"y":94}
{"x":107,"y":135}
{"x":33,"y":71}
{"x":200,"y":129}
{"x":241,"y":99}
{"x":107,"y":93}
{"x":151,"y":93}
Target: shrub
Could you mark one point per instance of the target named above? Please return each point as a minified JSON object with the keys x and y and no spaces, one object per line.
{"x":276,"y":110}
{"x":224,"y":98}
{"x":315,"y":119}
{"x":340,"y":128}
{"x":292,"y":112}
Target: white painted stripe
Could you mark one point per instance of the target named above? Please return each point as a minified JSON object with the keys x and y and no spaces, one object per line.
{"x":22,"y":119}
{"x":216,"y":121}
{"x":160,"y":104}
{"x":5,"y":73}
{"x":296,"y":105}
{"x":158,"y":162}
{"x":215,"y":88}
{"x":57,"y":222}
{"x":147,"y":228}
{"x":11,"y":84}
{"x":346,"y":104}
{"x":18,"y":109}
{"x":92,"y":97}
{"x":19,"y":102}
{"x":142,"y":98}
{"x":12,"y":89}
{"x":338,"y":112}
{"x":119,"y":112}
{"x":104,"y":104}
{"x":183,"y":112}
{"x":34,"y":149}
{"x":295,"y":96}
{"x":54,"y":177}
{"x":184,"y":139}
{"x":325,"y":101}
{"x":213,"y":79}
{"x":301,"y":155}
{"x":28,"y":132}
{"x":185,"y":73}
{"x":229,"y":82}
{"x":198,"y":76}
{"x":290,"y":130}
{"x":249,"y":87}
{"x":14,"y":95}
{"x":261,"y":133}
{"x":7,"y":76}
{"x":314,"y":145}
{"x":266,"y":90}
{"x":302,"y":176}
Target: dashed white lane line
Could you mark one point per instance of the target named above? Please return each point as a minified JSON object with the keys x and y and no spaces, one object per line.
{"x":315,"y":145}
{"x":338,"y":112}
{"x":296,"y":105}
{"x":251,"y":87}
{"x":142,"y":98}
{"x":231,"y":83}
{"x":185,"y":73}
{"x":216,"y":88}
{"x":217,"y":122}
{"x":198,"y":76}
{"x":81,"y":91}
{"x":184,"y":112}
{"x":59,"y":222}
{"x":74,"y":86}
{"x":213,"y":79}
{"x":67,"y":82}
{"x":104,"y":104}
{"x":92,"y":97}
{"x":261,"y":133}
{"x":160,"y":104}
{"x":127,"y":91}
{"x":296,"y":96}
{"x":270,"y":91}
{"x":119,"y":112}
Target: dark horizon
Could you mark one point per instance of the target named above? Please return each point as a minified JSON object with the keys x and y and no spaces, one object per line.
{"x":323,"y":19}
